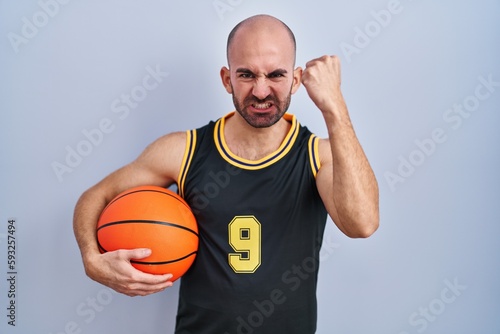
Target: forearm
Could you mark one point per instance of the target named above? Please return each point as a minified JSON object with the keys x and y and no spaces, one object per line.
{"x":86,"y":214}
{"x":90,"y":205}
{"x":354,"y":186}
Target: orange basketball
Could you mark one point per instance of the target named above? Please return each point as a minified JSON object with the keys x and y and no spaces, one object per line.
{"x":155,"y":218}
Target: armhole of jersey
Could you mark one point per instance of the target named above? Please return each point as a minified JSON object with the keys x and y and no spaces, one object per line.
{"x":186,"y":160}
{"x":313,"y":148}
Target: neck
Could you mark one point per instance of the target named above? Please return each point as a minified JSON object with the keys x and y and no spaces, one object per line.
{"x":253,"y":143}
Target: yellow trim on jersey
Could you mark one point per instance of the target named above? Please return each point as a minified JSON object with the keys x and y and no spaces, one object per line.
{"x":225,"y":152}
{"x":186,"y":160}
{"x":313,"y":148}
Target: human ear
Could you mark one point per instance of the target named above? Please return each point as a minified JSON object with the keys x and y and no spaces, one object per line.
{"x":225,"y":76}
{"x":297,"y":77}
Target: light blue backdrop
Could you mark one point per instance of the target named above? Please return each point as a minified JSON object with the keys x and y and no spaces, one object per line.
{"x":85,"y":86}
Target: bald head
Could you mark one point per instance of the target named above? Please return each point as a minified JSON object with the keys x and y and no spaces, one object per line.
{"x":260,"y":25}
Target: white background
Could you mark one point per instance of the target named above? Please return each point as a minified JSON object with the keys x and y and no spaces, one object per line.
{"x":405,"y":66}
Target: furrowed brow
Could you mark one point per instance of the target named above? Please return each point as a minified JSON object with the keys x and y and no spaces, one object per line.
{"x":244,"y":70}
{"x":279,"y":71}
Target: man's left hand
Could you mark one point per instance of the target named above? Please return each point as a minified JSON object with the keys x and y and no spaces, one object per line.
{"x":321,"y":78}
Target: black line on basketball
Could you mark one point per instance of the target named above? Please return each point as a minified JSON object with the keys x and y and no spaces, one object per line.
{"x":142,"y":221}
{"x":163,"y":262}
{"x":100,"y":247}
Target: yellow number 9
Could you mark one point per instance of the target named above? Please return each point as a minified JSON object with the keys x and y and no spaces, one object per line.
{"x":244,"y":238}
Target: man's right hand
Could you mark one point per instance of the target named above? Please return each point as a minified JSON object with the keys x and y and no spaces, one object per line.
{"x":158,"y":165}
{"x":114,"y":270}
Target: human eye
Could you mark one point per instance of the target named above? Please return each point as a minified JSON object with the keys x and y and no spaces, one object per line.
{"x":277,"y":74}
{"x":246,"y":75}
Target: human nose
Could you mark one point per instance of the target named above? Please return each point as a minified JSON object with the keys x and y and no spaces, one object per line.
{"x":261,"y":88}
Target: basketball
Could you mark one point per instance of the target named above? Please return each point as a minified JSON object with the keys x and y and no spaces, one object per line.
{"x":155,"y":218}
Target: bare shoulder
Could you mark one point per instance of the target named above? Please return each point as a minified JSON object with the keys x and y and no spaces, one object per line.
{"x":325,"y":152}
{"x":158,"y":164}
{"x":163,"y":157}
{"x":169,"y":143}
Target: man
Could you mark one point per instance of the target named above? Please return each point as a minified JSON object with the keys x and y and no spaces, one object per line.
{"x":261,"y":229}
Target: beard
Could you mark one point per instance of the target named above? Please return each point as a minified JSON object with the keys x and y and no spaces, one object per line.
{"x":262,"y":120}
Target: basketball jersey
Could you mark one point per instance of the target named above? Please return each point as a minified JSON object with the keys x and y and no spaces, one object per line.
{"x":261,"y":227}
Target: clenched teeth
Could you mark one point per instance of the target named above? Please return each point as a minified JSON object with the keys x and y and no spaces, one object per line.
{"x":262,"y":105}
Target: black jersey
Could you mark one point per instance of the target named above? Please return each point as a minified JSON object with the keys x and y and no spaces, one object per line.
{"x":261,"y":226}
